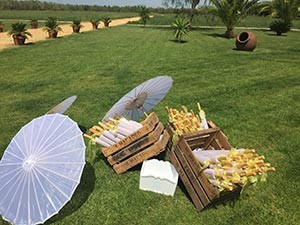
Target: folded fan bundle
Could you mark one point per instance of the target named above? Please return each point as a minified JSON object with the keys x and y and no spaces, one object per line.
{"x":185,"y":121}
{"x":107,"y":134}
{"x":226,"y":169}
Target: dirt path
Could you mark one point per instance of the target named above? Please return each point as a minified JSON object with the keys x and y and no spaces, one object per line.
{"x":39,"y":34}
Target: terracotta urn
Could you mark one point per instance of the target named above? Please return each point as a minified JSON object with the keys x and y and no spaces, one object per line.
{"x":34,"y":26}
{"x":52,"y":34}
{"x":246,"y":41}
{"x":76,"y":29}
{"x":95,"y":26}
{"x":19,"y":39}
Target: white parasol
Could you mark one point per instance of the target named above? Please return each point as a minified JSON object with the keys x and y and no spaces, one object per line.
{"x":63,"y":106}
{"x":141,"y":99}
{"x":40,"y":169}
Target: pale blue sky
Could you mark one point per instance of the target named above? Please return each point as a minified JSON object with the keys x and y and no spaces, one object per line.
{"x":148,"y":3}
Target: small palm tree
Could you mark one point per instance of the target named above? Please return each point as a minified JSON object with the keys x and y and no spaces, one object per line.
{"x":19,"y":33}
{"x":34,"y":23}
{"x":76,"y":25}
{"x":95,"y":23}
{"x":231,"y":12}
{"x":144,"y":14}
{"x":106,"y":21}
{"x":280,"y":26}
{"x":52,"y":27}
{"x":181,"y":28}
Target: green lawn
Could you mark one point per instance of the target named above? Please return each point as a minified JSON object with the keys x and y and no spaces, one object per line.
{"x":60,"y":15}
{"x":253,"y":96}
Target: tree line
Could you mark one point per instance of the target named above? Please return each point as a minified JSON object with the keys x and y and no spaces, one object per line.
{"x":41,"y":5}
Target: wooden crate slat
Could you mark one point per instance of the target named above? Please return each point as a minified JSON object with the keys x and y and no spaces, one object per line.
{"x":209,"y":139}
{"x":192,"y":177}
{"x":197,"y":143}
{"x":137,"y":146}
{"x":221,"y":140}
{"x":210,"y":190}
{"x":195,"y":135}
{"x":148,"y":125}
{"x":189,"y":187}
{"x":147,"y":153}
{"x":235,"y":193}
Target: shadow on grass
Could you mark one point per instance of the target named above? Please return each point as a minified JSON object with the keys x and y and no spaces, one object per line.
{"x":215,"y":35}
{"x":275,"y":35}
{"x":83,"y":191}
{"x":176,"y":41}
{"x":156,"y":27}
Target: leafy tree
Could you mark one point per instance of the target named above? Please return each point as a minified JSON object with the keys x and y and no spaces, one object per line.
{"x":181,"y":27}
{"x":144,"y":14}
{"x":231,"y":12}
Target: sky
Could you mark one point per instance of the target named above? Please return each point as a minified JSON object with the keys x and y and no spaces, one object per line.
{"x":148,"y":3}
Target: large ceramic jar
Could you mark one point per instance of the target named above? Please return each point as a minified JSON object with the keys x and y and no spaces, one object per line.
{"x":246,"y":41}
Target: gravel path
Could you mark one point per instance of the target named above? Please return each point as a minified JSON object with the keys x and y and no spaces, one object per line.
{"x":39,"y":34}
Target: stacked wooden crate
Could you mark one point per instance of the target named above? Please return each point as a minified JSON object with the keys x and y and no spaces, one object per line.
{"x":201,"y":191}
{"x":143,"y":144}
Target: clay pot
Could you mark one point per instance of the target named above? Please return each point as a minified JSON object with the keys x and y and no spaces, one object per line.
{"x":95,"y":26}
{"x":246,"y":41}
{"x":34,"y":26}
{"x":76,"y":29}
{"x":52,"y":34}
{"x":19,"y":40}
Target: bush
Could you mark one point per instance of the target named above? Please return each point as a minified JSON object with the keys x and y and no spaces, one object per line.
{"x":280,"y":26}
{"x":181,"y":27}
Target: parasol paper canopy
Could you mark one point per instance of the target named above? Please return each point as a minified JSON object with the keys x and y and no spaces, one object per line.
{"x":63,"y":106}
{"x":141,"y":99}
{"x":40,"y":169}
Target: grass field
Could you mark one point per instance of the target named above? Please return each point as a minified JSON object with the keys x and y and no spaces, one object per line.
{"x":253,"y":96}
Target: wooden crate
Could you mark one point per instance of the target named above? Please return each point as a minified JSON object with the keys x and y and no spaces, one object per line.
{"x":203,"y":194}
{"x":143,"y":144}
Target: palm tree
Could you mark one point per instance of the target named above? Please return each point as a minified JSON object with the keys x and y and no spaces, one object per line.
{"x":52,"y":27}
{"x":181,"y":27}
{"x":106,"y":20}
{"x":76,"y":25}
{"x":144,"y":14}
{"x":280,"y":26}
{"x":95,"y":23}
{"x":231,"y":12}
{"x":19,"y":33}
